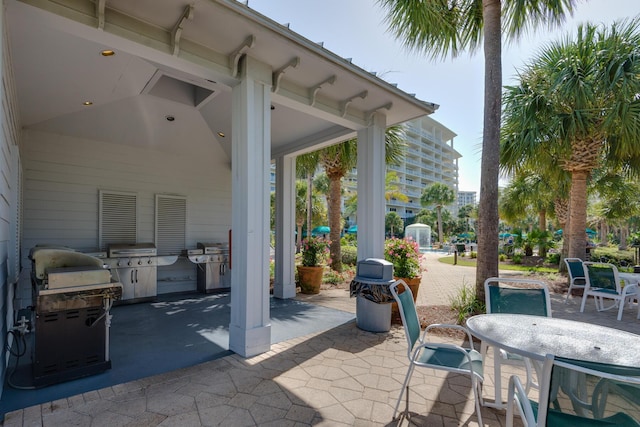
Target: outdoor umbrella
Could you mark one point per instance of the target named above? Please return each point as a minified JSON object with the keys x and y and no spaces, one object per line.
{"x":323,"y":229}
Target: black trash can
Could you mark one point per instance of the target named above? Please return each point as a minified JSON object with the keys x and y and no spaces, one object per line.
{"x":460,"y":247}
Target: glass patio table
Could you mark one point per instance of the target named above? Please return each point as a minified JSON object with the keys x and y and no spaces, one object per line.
{"x":536,"y":336}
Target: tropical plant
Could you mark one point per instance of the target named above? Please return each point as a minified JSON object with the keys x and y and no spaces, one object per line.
{"x":392,"y":189}
{"x":306,"y":166}
{"x":440,"y":28}
{"x":317,"y":209}
{"x":405,"y":256}
{"x":315,"y":251}
{"x":393,"y":223}
{"x":440,"y":195}
{"x":337,"y":160}
{"x":578,"y":101}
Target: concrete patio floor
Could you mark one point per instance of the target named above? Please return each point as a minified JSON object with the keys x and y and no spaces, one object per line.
{"x":342,"y":376}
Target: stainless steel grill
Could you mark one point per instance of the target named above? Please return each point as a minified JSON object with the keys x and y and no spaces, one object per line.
{"x":135,"y":266}
{"x":212,"y":261}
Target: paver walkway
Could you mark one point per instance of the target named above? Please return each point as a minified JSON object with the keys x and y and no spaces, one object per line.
{"x":340,"y":377}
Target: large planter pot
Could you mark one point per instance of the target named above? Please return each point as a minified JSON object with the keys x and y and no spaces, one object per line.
{"x":310,"y":279}
{"x":414,"y":285}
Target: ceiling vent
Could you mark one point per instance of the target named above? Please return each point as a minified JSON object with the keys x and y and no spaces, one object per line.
{"x":173,"y":89}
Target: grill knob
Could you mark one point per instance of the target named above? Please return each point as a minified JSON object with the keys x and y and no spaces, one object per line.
{"x":149,"y":262}
{"x":129,"y":263}
{"x":140,"y":262}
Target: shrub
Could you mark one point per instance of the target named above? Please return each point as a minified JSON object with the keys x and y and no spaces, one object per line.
{"x":315,"y":251}
{"x":349,"y":240}
{"x":517,"y":258}
{"x":466,"y":304}
{"x":331,"y":276}
{"x":473,"y":254}
{"x":349,"y":255}
{"x":553,"y":259}
{"x":613,"y":256}
{"x":404,"y":255}
{"x":502,"y":257}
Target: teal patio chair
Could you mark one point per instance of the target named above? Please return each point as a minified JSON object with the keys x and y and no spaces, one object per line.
{"x":440,"y":356}
{"x":600,"y":383}
{"x":576,"y":275}
{"x":514,"y":296}
{"x":603,"y":282}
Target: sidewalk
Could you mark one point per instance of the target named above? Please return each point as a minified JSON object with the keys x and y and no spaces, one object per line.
{"x":340,"y":377}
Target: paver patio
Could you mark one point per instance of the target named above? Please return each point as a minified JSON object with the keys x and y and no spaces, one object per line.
{"x":343,"y":376}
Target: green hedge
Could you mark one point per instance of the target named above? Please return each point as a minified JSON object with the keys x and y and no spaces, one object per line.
{"x":349,"y":255}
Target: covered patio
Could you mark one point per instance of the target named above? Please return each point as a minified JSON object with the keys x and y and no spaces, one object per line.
{"x":152,"y":101}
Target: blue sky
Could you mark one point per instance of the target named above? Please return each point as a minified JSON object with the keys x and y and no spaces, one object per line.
{"x":355,"y":29}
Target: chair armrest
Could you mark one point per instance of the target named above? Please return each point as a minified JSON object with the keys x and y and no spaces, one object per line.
{"x":630,"y":289}
{"x":516,"y":392}
{"x":448,"y":326}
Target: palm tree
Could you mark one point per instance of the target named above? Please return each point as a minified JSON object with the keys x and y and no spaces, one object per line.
{"x":337,"y":160}
{"x":317,"y":210}
{"x":440,"y":195}
{"x":392,"y":189}
{"x":393,"y":223}
{"x":306,"y":166}
{"x":578,"y":102}
{"x":440,"y":28}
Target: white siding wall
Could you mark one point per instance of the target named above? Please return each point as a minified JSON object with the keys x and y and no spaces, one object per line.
{"x":9,"y":195}
{"x":63,"y":174}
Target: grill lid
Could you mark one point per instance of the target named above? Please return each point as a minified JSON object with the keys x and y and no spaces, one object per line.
{"x":214,"y":248}
{"x":132,"y":250}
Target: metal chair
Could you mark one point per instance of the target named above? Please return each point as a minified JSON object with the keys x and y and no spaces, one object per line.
{"x":514,"y":296}
{"x":576,"y":275}
{"x":603,"y":282}
{"x":601,"y":383}
{"x":441,"y":356}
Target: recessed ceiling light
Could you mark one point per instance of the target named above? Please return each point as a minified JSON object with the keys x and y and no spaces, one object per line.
{"x":107,"y":52}
{"x":170,"y":118}
{"x":221,"y":134}
{"x":87,"y":103}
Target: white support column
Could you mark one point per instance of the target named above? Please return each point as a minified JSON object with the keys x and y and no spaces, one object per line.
{"x":250,"y":328}
{"x":371,"y":186}
{"x":285,"y":280}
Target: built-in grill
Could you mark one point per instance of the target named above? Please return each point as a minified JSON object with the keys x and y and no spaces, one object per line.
{"x":135,"y":266}
{"x":73,"y":294}
{"x":212,"y":262}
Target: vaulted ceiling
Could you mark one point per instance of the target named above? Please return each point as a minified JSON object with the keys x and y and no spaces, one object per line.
{"x":171,"y":76}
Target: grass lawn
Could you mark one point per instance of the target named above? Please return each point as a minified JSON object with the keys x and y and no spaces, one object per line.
{"x":471,"y":262}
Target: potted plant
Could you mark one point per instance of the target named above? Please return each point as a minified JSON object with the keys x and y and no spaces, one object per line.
{"x":406,"y":258}
{"x":315,"y":252}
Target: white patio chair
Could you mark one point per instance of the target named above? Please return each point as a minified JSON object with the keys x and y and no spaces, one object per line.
{"x":609,"y":392}
{"x":576,"y":275}
{"x":440,"y":356}
{"x":514,"y":296}
{"x":603,"y":282}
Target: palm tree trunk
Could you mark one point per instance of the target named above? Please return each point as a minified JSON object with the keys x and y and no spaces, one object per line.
{"x":299,"y":238}
{"x":487,"y":265}
{"x":309,"y":206}
{"x":439,"y":211}
{"x":624,"y":232}
{"x":577,"y":218}
{"x":542,"y":220}
{"x":335,"y":191}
